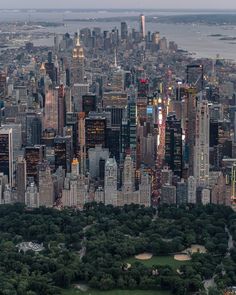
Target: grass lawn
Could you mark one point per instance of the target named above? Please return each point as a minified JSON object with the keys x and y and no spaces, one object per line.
{"x":159,"y":260}
{"x":115,"y":292}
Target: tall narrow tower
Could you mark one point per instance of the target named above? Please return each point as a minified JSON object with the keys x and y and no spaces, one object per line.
{"x":110,"y":187}
{"x":21,"y":179}
{"x":173,"y":146}
{"x":78,"y":63}
{"x":201,"y":148}
{"x":142,"y":27}
{"x":46,"y":190}
{"x":50,"y":120}
{"x":128,"y":177}
{"x":6,"y":153}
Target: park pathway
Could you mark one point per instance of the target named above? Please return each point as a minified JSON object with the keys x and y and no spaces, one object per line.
{"x":82,"y":252}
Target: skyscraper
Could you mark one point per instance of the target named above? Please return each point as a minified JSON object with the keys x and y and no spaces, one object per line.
{"x":195,"y":76}
{"x":62,"y":149}
{"x":173,"y":145}
{"x":110,"y":187}
{"x":33,"y":129}
{"x":124,"y":31}
{"x":61,"y":109}
{"x":181,"y":193}
{"x":6,"y":153}
{"x":95,"y":132}
{"x":89,"y":103}
{"x":132,"y":117}
{"x":190,"y":128}
{"x":192,"y":190}
{"x":142,"y":27}
{"x":201,"y":148}
{"x":51,"y":69}
{"x":46,"y":190}
{"x":128,"y":175}
{"x":21,"y":179}
{"x":78,"y":63}
{"x":72,"y":123}
{"x":51,"y":109}
{"x":33,"y":156}
{"x":32,"y":196}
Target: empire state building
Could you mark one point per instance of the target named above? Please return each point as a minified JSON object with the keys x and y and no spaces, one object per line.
{"x":78,"y":63}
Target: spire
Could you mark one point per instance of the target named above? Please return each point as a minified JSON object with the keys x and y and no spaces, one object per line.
{"x":78,"y":41}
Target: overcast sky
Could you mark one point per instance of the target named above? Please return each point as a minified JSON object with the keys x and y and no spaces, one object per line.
{"x":209,"y":4}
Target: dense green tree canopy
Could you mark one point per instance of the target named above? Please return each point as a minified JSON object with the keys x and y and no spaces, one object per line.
{"x":92,"y":246}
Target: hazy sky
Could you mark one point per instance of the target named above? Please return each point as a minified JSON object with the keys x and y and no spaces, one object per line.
{"x":209,"y":4}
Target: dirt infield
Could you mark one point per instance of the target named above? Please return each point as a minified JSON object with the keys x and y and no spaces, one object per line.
{"x":196,"y":249}
{"x":182,"y":257}
{"x":144,"y":256}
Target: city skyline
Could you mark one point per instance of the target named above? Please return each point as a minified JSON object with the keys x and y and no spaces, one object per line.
{"x":134,"y":4}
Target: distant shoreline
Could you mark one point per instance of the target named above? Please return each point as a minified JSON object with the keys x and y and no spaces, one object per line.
{"x":200,"y":19}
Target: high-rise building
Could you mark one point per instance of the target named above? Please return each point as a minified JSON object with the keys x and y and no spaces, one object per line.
{"x":33,"y":156}
{"x":110,"y":187}
{"x":201,"y":148}
{"x":132,"y":118}
{"x":78,"y":91}
{"x":95,"y":155}
{"x":81,"y":144}
{"x":75,"y":167}
{"x":189,"y":117}
{"x":78,"y":63}
{"x":17,"y":137}
{"x":143,"y":88}
{"x":173,"y":145}
{"x":155,"y":39}
{"x":192,"y":190}
{"x":124,"y":31}
{"x":195,"y":76}
{"x":89,"y":103}
{"x":3,"y":183}
{"x":206,"y":196}
{"x":33,"y":129}
{"x":70,"y":192}
{"x":72,"y":123}
{"x":6,"y":153}
{"x":61,"y":109}
{"x":181,"y":193}
{"x":114,"y":99}
{"x":118,"y":80}
{"x":63,"y":152}
{"x":128,"y":175}
{"x":145,"y":189}
{"x":95,"y":132}
{"x":142,"y":27}
{"x":50,"y":120}
{"x":51,"y":69}
{"x":116,"y":116}
{"x":168,"y":194}
{"x":32,"y":196}
{"x":46,"y":189}
{"x":3,"y":85}
{"x":21,"y":179}
{"x":113,"y":142}
{"x":124,"y":139}
{"x":166,"y":176}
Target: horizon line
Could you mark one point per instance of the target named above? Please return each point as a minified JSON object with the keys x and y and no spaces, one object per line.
{"x":129,"y":8}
